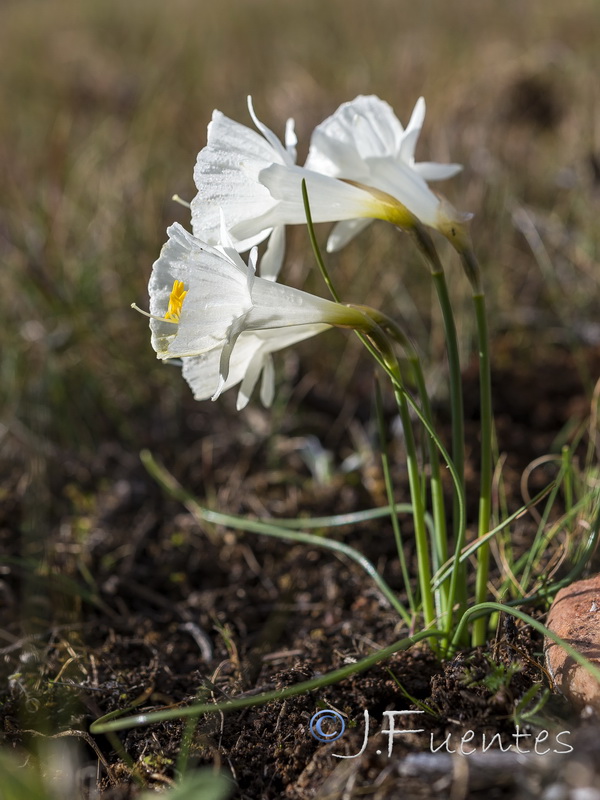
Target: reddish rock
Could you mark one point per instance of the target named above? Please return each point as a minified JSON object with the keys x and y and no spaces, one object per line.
{"x":575,"y":617}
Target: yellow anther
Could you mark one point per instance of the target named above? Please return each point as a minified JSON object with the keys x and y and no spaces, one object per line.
{"x":176,"y":299}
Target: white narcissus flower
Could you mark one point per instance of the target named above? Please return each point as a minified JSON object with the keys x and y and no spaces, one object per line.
{"x":208,"y":308}
{"x":251,"y":178}
{"x":360,"y":167}
{"x":365,"y":143}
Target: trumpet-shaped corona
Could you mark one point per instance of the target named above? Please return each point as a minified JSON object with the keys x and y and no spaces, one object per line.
{"x":226,"y":175}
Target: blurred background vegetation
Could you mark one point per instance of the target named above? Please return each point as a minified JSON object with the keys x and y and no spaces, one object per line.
{"x":103,"y":107}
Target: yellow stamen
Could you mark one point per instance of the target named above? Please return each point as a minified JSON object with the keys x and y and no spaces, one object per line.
{"x":176,"y":299}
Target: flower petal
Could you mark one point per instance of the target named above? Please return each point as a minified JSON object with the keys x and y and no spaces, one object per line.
{"x":267,"y":386}
{"x":363,"y":142}
{"x":275,"y":305}
{"x":406,"y":151}
{"x":431,"y":171}
{"x":270,"y":136}
{"x":335,"y":157}
{"x":272,"y":260}
{"x":253,"y":370}
{"x":203,"y":372}
{"x":235,"y":330}
{"x":291,"y":140}
{"x":362,"y":128}
{"x":344,"y":232}
{"x":226,"y":175}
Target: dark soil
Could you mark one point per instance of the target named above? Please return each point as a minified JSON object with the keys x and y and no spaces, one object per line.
{"x":115,"y":596}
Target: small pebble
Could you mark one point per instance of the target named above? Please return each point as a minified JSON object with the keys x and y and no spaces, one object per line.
{"x":575,"y":617}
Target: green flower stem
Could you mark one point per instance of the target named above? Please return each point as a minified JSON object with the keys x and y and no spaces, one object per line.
{"x":456,"y":394}
{"x":385,"y":465}
{"x":456,"y":412}
{"x":471,"y":550}
{"x":176,"y":490}
{"x":414,"y":480}
{"x":372,"y":334}
{"x":428,"y":250}
{"x":382,"y":343}
{"x":315,"y":245}
{"x":109,"y":722}
{"x":440,"y":534}
{"x":457,"y":575}
{"x":485,"y":493}
{"x":439,"y":537}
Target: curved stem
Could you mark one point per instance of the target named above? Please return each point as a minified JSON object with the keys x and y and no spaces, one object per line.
{"x":385,"y":464}
{"x":456,"y":393}
{"x":427,"y":248}
{"x":176,"y":490}
{"x":109,"y":723}
{"x":387,"y":358}
{"x":485,"y":492}
{"x":457,"y":578}
{"x":315,"y":244}
{"x":439,"y":535}
{"x":414,"y":481}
